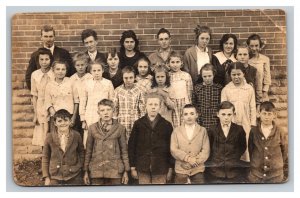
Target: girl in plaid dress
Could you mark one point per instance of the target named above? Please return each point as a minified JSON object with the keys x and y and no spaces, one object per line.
{"x":181,"y":87}
{"x":143,"y":78}
{"x":207,"y":97}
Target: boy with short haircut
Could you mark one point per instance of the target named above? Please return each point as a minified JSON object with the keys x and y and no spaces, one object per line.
{"x":128,"y":100}
{"x":106,"y":159}
{"x":149,"y":145}
{"x":63,"y":153}
{"x":227,"y":145}
{"x":268,"y":148}
{"x":162,"y":54}
{"x":190,"y":148}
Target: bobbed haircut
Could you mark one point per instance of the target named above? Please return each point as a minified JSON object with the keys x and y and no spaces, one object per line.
{"x":208,"y":67}
{"x":255,"y":37}
{"x":161,"y":68}
{"x":175,"y":54}
{"x":225,"y":38}
{"x":44,"y":51}
{"x":199,"y":30}
{"x":63,"y":62}
{"x":236,"y":65}
{"x":129,"y":34}
{"x":80,"y":56}
{"x":128,"y":69}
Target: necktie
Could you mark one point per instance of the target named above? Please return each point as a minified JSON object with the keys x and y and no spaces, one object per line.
{"x":44,"y":80}
{"x":63,"y":142}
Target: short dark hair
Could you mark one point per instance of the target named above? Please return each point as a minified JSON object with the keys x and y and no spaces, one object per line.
{"x":160,"y":68}
{"x":161,"y":31}
{"x":106,"y":102}
{"x":255,"y":37}
{"x":188,"y":106}
{"x":129,"y":34}
{"x":175,"y":54}
{"x":226,"y":105}
{"x":44,"y":51}
{"x":267,"y":106}
{"x":111,"y":51}
{"x":236,"y":65}
{"x":63,"y":114}
{"x":142,"y":58}
{"x":47,"y":28}
{"x":201,"y":29}
{"x":87,"y":33}
{"x":128,"y":69}
{"x":225,"y":38}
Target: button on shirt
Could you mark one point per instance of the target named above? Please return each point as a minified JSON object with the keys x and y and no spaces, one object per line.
{"x":266,"y":130}
{"x":202,"y":58}
{"x":189,"y":131}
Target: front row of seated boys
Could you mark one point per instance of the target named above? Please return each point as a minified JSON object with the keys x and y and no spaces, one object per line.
{"x":155,"y":152}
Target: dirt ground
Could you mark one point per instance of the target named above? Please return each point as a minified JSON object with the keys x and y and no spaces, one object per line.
{"x":26,"y":173}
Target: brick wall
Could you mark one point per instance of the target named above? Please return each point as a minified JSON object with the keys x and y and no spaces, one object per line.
{"x":270,"y":24}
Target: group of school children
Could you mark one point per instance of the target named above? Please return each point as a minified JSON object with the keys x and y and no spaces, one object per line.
{"x":192,"y":119}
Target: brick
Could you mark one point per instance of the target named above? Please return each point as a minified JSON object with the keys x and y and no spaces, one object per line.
{"x":112,"y":16}
{"x":199,"y":14}
{"x":111,"y":38}
{"x":23,"y":133}
{"x":212,"y":25}
{"x":128,"y":26}
{"x":259,"y":18}
{"x":115,"y":26}
{"x":207,"y":19}
{"x":278,"y":90}
{"x":60,"y":17}
{"x":182,"y":14}
{"x":20,"y":149}
{"x":163,"y":15}
{"x":172,"y":20}
{"x":146,"y":15}
{"x":20,"y":157}
{"x":216,"y":14}
{"x":251,"y":13}
{"x":22,"y":142}
{"x":231,"y":24}
{"x":241,"y":19}
{"x":233,"y":30}
{"x":282,"y":114}
{"x":221,"y":30}
{"x":146,"y":25}
{"x":94,"y":16}
{"x":234,"y":13}
{"x":21,"y":100}
{"x":155,"y":20}
{"x":129,"y":15}
{"x":121,"y":21}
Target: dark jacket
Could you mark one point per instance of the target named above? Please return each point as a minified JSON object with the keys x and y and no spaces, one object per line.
{"x":106,"y":153}
{"x":225,"y":153}
{"x":221,"y":77}
{"x":100,"y":57}
{"x":130,"y":61}
{"x":149,"y":149}
{"x":58,"y":54}
{"x":116,"y":80}
{"x":61,"y":165}
{"x":268,"y":156}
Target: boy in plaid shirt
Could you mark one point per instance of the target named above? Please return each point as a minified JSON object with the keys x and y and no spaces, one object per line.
{"x":129,"y":101}
{"x":206,"y":97}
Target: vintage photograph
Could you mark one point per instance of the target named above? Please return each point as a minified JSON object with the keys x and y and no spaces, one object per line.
{"x":162,"y":97}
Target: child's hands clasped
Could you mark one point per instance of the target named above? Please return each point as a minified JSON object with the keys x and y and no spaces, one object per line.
{"x":193,"y":161}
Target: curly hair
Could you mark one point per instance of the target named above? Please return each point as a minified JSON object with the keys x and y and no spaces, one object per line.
{"x":128,"y":34}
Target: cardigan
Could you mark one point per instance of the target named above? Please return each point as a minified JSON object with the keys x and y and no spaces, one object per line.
{"x":190,"y":62}
{"x":182,"y":148}
{"x":224,"y":160}
{"x":61,"y":165}
{"x":268,"y":156}
{"x":149,"y":148}
{"x":106,"y":153}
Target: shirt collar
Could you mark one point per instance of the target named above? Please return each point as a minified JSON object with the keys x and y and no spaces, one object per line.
{"x":199,"y":51}
{"x":51,"y":49}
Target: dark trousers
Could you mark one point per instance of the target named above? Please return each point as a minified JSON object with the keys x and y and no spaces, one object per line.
{"x":106,"y":181}
{"x":198,"y":178}
{"x":254,"y":179}
{"x":76,"y":181}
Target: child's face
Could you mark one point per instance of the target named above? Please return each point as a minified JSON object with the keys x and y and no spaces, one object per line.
{"x":189,"y":116}
{"x":237,"y":76}
{"x":228,"y":46}
{"x":254,"y":46}
{"x":225,"y":116}
{"x":242,"y":55}
{"x":62,"y":124}
{"x":96,"y":71}
{"x":143,"y":68}
{"x":161,"y":78}
{"x":128,"y":79}
{"x":113,"y":62}
{"x":60,"y":70}
{"x":90,"y":43}
{"x":267,"y":117}
{"x":80,"y":66}
{"x":129,"y":44}
{"x":208,"y":77}
{"x":203,"y":40}
{"x":164,"y":40}
{"x":105,"y":112}
{"x":44,"y":61}
{"x":175,"y":64}
{"x":152,"y":106}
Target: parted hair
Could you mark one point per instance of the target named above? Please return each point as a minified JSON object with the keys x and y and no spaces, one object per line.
{"x":47,"y":28}
{"x":226,"y":105}
{"x":44,"y":51}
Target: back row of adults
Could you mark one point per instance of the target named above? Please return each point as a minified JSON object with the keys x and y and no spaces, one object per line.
{"x":194,"y":58}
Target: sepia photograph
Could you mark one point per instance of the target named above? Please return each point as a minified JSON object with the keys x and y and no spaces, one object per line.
{"x":157,"y":97}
